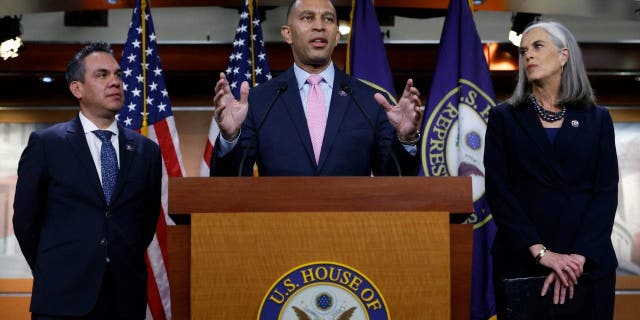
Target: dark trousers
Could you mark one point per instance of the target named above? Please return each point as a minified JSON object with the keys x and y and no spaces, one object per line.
{"x":105,"y":308}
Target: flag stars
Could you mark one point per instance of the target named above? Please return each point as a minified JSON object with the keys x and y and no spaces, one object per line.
{"x":262,"y":56}
{"x":162,"y":107}
{"x":139,"y":30}
{"x":238,"y":55}
{"x":140,"y":78}
{"x":165,"y":93}
{"x":157,"y":71}
{"x":131,"y":107}
{"x":256,"y":22}
{"x":234,"y":84}
{"x":136,"y":92}
{"x":149,"y":51}
{"x":258,"y":70}
{"x":228,"y":71}
{"x":153,"y":86}
{"x":124,"y":86}
{"x":241,"y":29}
{"x":236,"y":70}
{"x":132,"y":58}
{"x":128,"y":121}
{"x":269,"y":76}
{"x":247,"y":75}
{"x":244,"y":15}
{"x":149,"y":101}
{"x":152,"y":37}
{"x":238,"y":43}
{"x":127,"y":72}
{"x":136,"y":43}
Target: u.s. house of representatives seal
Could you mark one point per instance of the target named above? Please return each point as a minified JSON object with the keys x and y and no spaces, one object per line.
{"x":323,"y":291}
{"x":453,"y":143}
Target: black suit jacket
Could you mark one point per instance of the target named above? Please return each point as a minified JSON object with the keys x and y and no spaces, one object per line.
{"x":66,"y":230}
{"x":283,"y":145}
{"x":563,"y":195}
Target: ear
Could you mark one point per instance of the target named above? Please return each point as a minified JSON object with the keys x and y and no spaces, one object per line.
{"x":564,"y":56}
{"x":76,"y":89}
{"x":285,"y":31}
{"x":337,"y":37}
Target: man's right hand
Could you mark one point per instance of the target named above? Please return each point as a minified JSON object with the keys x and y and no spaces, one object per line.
{"x":228,"y":112}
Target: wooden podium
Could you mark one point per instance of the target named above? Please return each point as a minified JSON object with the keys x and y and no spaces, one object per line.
{"x":246,"y":233}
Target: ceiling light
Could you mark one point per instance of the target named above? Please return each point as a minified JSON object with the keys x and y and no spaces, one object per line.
{"x":10,"y":32}
{"x":520,"y":21}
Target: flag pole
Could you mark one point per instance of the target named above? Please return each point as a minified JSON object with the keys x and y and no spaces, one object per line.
{"x":144,"y":129}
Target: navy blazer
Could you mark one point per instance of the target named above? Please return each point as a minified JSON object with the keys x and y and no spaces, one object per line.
{"x":563,"y":195}
{"x":282,"y":147}
{"x":66,"y":230}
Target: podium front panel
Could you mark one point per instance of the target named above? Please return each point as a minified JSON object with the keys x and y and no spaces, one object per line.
{"x":237,"y":257}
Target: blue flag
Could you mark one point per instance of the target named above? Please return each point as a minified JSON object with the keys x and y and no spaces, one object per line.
{"x":454,"y":127}
{"x":366,"y":56}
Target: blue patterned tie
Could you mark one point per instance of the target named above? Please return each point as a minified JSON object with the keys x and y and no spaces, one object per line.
{"x":108,"y":163}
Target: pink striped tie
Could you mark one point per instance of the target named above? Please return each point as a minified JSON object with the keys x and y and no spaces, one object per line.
{"x":316,"y":114}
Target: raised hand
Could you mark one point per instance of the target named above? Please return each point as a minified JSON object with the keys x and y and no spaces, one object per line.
{"x":228,"y":112}
{"x":406,"y":116}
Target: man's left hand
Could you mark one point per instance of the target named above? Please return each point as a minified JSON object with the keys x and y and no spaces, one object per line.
{"x":406,"y":116}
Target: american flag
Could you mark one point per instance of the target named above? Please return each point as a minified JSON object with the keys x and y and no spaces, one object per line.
{"x":148,"y":110}
{"x":247,"y":62}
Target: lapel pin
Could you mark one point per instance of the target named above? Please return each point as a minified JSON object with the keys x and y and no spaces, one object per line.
{"x":575,"y":123}
{"x":129,"y":147}
{"x":342,"y":93}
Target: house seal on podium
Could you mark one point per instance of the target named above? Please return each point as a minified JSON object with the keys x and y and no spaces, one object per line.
{"x":323,"y":290}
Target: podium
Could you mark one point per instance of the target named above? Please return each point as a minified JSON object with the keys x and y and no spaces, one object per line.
{"x":247,"y":232}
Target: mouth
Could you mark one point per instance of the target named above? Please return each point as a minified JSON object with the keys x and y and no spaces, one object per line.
{"x":531,"y":66}
{"x":319,"y":42}
{"x":115,"y":96}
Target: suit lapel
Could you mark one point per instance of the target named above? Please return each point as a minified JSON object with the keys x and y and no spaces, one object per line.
{"x":338,"y":109}
{"x":293,"y":103}
{"x":529,"y":121}
{"x":574,"y":120}
{"x":78,"y":141}
{"x":127,"y":150}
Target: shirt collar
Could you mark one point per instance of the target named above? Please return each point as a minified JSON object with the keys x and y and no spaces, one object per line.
{"x":327,"y":74}
{"x":89,"y":126}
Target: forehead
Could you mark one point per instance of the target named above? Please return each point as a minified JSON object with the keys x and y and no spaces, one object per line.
{"x":319,"y":6}
{"x":535,"y":34}
{"x":100,"y":60}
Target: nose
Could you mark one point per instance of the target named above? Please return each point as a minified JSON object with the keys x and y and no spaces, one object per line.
{"x":318,"y":24}
{"x":115,"y":81}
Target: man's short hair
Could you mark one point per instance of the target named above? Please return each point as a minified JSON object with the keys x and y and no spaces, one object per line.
{"x":75,"y":67}
{"x":293,"y":2}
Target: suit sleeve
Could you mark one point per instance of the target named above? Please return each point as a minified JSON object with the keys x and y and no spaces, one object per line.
{"x":390,"y":153}
{"x":30,"y":198}
{"x":229,"y":164}
{"x":594,"y":236}
{"x":153,"y":196}
{"x":511,"y":220}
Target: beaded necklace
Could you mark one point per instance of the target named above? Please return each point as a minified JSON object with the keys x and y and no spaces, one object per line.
{"x":546,"y":115}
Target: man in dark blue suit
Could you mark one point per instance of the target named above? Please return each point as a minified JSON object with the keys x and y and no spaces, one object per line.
{"x":314,"y":119}
{"x":87,"y":202}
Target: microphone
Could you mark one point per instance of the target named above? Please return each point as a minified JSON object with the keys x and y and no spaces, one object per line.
{"x":282,"y":87}
{"x":347,"y":88}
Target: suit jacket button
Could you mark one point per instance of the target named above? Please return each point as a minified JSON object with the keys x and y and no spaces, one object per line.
{"x":103,"y":242}
{"x":108,"y":214}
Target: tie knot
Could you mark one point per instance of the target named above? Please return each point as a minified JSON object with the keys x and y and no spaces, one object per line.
{"x":314,"y":79}
{"x":103,"y":135}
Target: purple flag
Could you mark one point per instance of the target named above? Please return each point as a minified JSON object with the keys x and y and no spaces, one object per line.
{"x":366,"y":56}
{"x":454,"y":127}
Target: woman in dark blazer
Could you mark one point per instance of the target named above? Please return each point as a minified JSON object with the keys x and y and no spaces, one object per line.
{"x":552,"y":175}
